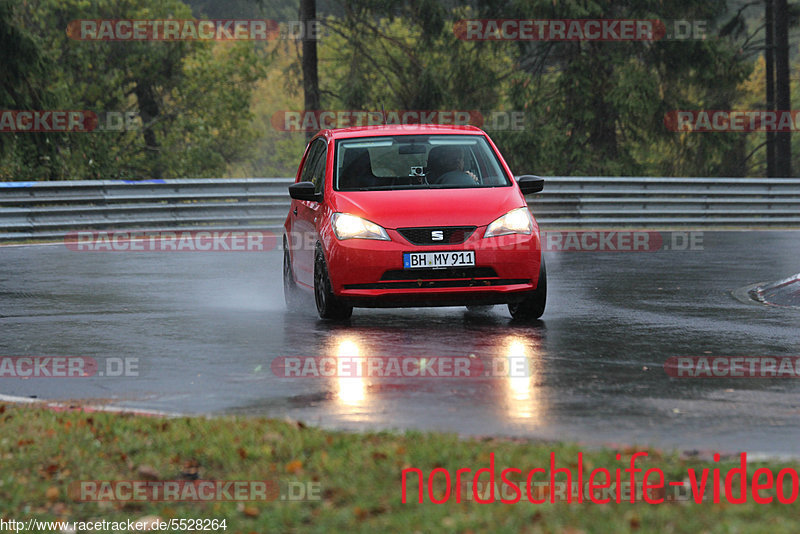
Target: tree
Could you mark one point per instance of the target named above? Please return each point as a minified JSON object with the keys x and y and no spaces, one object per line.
{"x":192,"y":98}
{"x":308,"y":14}
{"x":26,"y":69}
{"x":783,"y":140}
{"x":769,"y":55}
{"x":590,"y":107}
{"x":406,"y":56}
{"x":597,"y":108}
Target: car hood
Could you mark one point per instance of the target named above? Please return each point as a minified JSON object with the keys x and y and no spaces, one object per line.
{"x":430,"y":207}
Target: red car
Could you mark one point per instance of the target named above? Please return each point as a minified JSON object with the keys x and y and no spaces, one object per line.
{"x":423,"y":215}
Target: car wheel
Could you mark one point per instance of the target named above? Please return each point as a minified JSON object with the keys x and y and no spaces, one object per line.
{"x":328,"y":306}
{"x":532,"y":307}
{"x":291,"y":294}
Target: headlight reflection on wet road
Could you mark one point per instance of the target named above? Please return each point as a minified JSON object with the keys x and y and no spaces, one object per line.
{"x":522,"y":396}
{"x":352,"y":390}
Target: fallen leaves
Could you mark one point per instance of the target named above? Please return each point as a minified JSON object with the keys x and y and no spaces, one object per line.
{"x":248,"y":510}
{"x":294,"y":466}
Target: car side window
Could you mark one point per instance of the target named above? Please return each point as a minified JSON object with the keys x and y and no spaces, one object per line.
{"x":318,"y":173}
{"x":311,"y":160}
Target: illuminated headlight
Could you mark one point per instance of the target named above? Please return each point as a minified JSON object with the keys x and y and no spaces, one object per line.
{"x":347,"y":226}
{"x":517,"y":221}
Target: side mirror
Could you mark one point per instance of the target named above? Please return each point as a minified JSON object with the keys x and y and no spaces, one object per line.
{"x":304,"y":191}
{"x":530,"y":184}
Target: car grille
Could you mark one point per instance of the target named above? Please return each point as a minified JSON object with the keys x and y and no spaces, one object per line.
{"x":451,"y":235}
{"x":439,"y":278}
{"x":439,"y":274}
{"x":433,"y":284}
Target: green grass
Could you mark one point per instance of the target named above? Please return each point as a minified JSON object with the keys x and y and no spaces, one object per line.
{"x":42,"y":452}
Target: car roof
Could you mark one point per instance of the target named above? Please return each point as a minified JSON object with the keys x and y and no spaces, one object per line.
{"x":400,"y":129}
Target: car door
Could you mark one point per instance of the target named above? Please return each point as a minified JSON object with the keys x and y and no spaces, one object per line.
{"x":304,"y":213}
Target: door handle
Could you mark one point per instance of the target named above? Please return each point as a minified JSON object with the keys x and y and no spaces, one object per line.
{"x":294,"y":211}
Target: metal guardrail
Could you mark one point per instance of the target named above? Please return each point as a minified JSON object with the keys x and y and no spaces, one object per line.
{"x":49,"y":210}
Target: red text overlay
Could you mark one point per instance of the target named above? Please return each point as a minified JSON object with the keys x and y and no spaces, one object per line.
{"x":631,"y":483}
{"x":173,"y":30}
{"x":47,"y":121}
{"x":399,"y":366}
{"x":193,"y":491}
{"x":67,"y":367}
{"x":169,"y":241}
{"x":732,"y":121}
{"x":733,"y":366}
{"x":559,"y":30}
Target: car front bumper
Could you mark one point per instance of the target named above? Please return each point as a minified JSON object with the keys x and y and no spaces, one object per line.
{"x":370,"y":273}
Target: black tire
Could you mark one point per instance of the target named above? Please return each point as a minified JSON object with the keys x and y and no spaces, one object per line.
{"x":533,"y":306}
{"x":328,"y":305}
{"x":291,"y":293}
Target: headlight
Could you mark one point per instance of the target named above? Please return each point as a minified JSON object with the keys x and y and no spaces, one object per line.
{"x":347,"y":226}
{"x":517,"y":221}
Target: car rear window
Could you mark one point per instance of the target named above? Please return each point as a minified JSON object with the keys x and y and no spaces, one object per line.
{"x":416,"y":162}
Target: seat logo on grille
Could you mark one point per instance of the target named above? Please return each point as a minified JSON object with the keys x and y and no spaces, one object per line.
{"x":437,"y":235}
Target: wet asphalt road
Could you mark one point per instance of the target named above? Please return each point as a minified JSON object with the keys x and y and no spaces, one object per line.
{"x":203,"y":329}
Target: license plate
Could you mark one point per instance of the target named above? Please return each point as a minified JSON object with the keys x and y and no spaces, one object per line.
{"x":433,"y":260}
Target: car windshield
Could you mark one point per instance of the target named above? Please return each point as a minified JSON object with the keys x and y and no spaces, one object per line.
{"x":416,"y":162}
